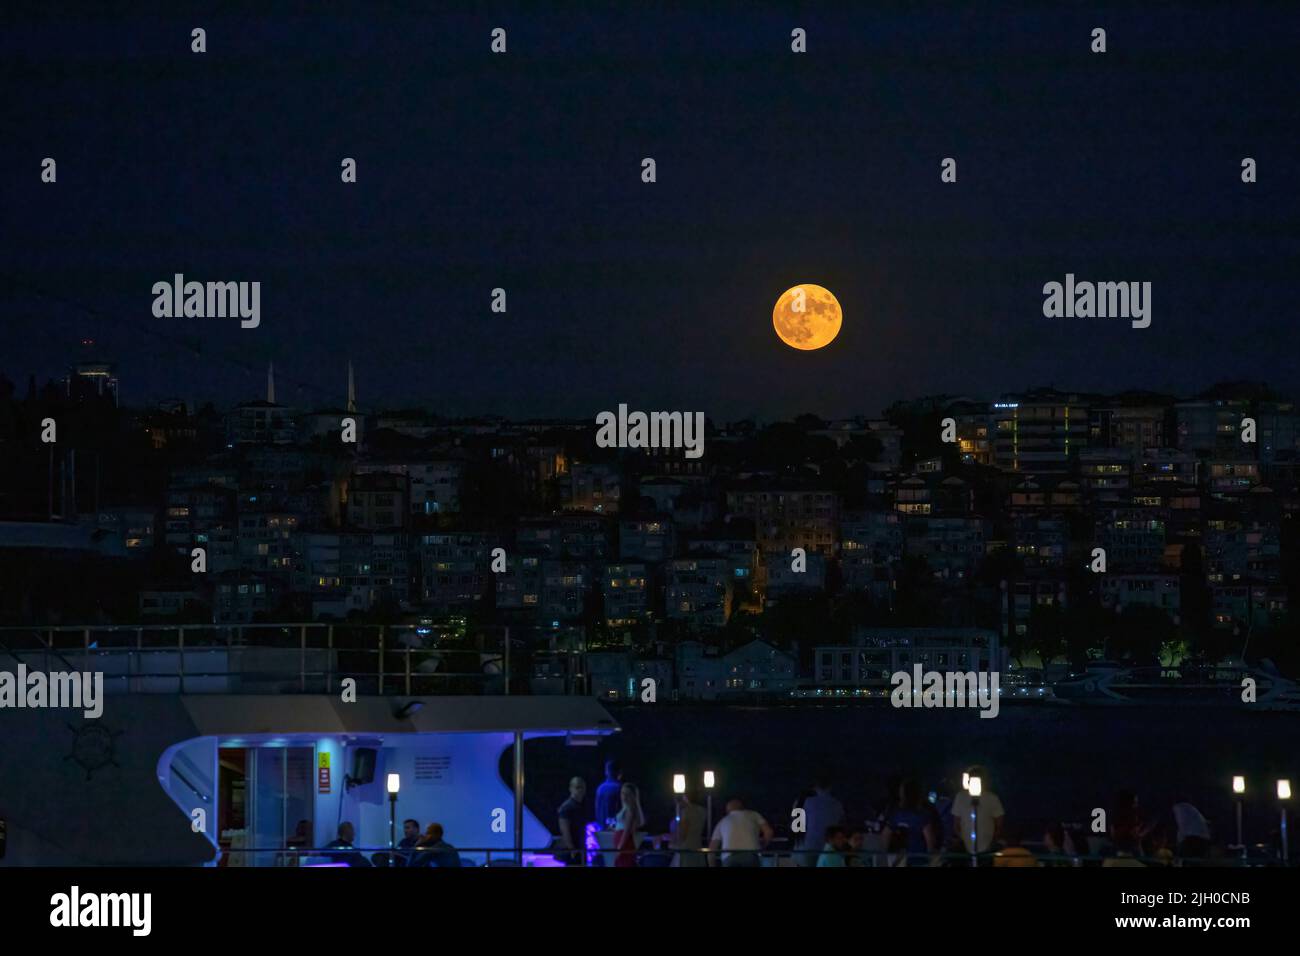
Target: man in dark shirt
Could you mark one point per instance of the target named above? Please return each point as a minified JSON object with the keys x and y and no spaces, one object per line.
{"x":608,"y":800}
{"x":410,"y":836}
{"x":433,"y":850}
{"x":344,"y":842}
{"x":573,"y":824}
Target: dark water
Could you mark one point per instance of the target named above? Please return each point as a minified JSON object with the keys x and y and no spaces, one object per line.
{"x":1045,"y":762}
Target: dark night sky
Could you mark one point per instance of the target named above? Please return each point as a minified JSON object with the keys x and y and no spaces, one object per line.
{"x":523,"y":171}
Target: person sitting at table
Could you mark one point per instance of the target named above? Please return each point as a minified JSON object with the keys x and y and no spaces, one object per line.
{"x":410,"y":837}
{"x":835,"y":848}
{"x":433,"y":850}
{"x":347,"y":833}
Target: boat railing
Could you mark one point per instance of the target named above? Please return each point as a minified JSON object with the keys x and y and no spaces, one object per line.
{"x":407,"y":659}
{"x":45,"y":651}
{"x":665,"y":856}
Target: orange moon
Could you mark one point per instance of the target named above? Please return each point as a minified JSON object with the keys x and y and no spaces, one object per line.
{"x":807,"y":317}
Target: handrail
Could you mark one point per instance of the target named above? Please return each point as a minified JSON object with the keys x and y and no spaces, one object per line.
{"x":256,"y":625}
{"x":716,"y":857}
{"x":186,"y":780}
{"x":49,"y":649}
{"x":382,"y":658}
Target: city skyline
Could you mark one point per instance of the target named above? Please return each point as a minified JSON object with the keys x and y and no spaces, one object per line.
{"x":303,"y":397}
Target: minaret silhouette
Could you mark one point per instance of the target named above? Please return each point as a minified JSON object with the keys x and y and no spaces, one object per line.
{"x":270,"y":382}
{"x":352,"y":390}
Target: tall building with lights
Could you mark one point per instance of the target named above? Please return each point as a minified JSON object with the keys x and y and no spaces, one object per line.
{"x":91,"y":379}
{"x":1039,"y":433}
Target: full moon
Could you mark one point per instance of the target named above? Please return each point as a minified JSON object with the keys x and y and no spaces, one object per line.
{"x":807,"y":317}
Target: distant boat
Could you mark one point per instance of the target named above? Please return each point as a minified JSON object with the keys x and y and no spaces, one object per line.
{"x":1197,"y":685}
{"x":1024,"y":684}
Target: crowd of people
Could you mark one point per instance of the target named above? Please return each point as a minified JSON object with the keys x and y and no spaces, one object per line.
{"x":948,"y":826}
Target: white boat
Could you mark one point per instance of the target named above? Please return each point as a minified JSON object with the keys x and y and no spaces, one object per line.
{"x":165,"y":778}
{"x":1228,"y":684}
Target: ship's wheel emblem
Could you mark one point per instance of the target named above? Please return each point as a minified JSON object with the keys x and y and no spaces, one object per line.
{"x":93,"y":747}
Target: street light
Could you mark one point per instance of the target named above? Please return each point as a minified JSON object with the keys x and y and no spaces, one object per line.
{"x":1283,"y":795}
{"x":1239,"y":788}
{"x":679,"y":783}
{"x":974,"y":786}
{"x":394,"y":785}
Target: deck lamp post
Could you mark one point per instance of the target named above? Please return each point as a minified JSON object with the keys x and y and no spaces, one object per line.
{"x":1239,"y":791}
{"x":394,"y":785}
{"x":1283,"y":795}
{"x":709,"y":781}
{"x":679,"y":788}
{"x":974,"y":786}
